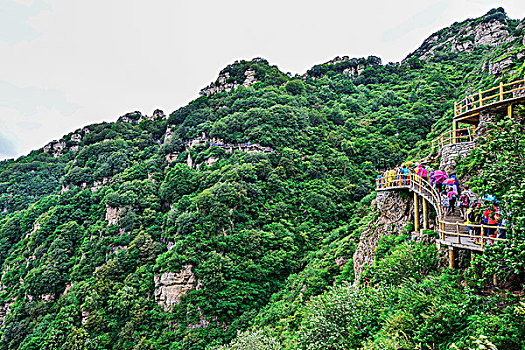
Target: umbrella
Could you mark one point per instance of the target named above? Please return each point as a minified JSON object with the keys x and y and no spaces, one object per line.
{"x":440,"y":175}
{"x":450,"y":181}
{"x":489,"y":197}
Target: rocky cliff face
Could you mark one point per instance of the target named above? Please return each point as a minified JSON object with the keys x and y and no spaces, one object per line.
{"x":136,"y":117}
{"x":346,"y":65}
{"x":170,"y":286}
{"x":55,"y":148}
{"x":493,"y":30}
{"x":224,"y":83}
{"x":394,"y":212}
{"x":449,"y":154}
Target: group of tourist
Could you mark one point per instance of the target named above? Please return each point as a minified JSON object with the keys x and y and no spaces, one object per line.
{"x":466,"y":202}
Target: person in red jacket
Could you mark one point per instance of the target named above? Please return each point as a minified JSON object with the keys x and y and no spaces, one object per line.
{"x":491,"y":219}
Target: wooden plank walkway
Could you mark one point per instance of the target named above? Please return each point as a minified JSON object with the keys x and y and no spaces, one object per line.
{"x":452,"y":230}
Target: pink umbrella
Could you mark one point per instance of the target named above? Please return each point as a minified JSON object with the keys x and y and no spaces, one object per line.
{"x":440,"y":176}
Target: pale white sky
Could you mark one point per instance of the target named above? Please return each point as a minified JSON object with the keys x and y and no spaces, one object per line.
{"x":70,"y":63}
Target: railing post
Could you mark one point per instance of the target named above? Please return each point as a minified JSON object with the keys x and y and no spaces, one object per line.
{"x":501,"y":91}
{"x":454,"y":131}
{"x":509,"y":110}
{"x":458,"y":232}
{"x":480,"y":98}
{"x":416,"y":212}
{"x":425,"y":214}
{"x":481,"y":235}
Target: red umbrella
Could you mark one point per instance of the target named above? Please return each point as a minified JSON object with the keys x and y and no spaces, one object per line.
{"x":450,"y":181}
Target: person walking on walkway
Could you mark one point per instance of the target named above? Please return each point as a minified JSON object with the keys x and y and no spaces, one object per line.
{"x":452,"y":196}
{"x":445,"y":202}
{"x":476,"y":218}
{"x":464,"y":202}
{"x":471,"y":220}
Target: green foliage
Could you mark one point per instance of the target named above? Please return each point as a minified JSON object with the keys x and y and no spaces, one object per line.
{"x":268,"y":236}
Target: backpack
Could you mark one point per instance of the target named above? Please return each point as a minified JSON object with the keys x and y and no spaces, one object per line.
{"x":471,"y":216}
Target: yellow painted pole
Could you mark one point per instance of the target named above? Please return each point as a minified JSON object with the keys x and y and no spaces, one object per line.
{"x":480,"y":98}
{"x":454,"y":132}
{"x":509,"y":110}
{"x":451,"y":258}
{"x":425,"y":214}
{"x":416,"y":213}
{"x":501,"y":91}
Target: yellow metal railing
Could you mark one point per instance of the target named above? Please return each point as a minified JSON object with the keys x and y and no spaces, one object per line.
{"x":480,"y":237}
{"x":415,"y":183}
{"x":462,"y":135}
{"x":484,"y":98}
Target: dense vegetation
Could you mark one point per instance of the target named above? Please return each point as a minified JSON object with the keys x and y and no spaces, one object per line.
{"x":268,"y":236}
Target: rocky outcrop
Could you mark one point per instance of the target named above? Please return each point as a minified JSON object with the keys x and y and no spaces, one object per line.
{"x":170,"y":286}
{"x":345,"y":64}
{"x":453,"y":152}
{"x":224,"y":83}
{"x":210,"y":161}
{"x":85,"y":315}
{"x":4,"y":310}
{"x":170,"y":157}
{"x":98,"y":184}
{"x":394,"y":211}
{"x":498,"y":67}
{"x":55,"y":148}
{"x":136,"y":117}
{"x":168,"y":136}
{"x":36,"y":227}
{"x":158,"y":114}
{"x":491,"y":30}
{"x":485,"y":118}
{"x":113,"y":215}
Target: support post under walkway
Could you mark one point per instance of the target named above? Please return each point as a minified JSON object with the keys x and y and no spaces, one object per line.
{"x":451,"y":258}
{"x":416,"y":212}
{"x":425,"y":214}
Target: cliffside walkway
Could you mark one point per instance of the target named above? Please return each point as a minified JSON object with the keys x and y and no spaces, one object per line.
{"x":498,"y":98}
{"x":452,"y":231}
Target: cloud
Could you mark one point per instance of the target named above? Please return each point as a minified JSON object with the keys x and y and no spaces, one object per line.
{"x":420,"y":20}
{"x":484,"y":2}
{"x":28,"y":99}
{"x":14,"y":20}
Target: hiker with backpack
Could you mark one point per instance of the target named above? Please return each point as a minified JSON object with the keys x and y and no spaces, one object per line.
{"x":474,"y":218}
{"x":452,"y":196}
{"x":464,"y":202}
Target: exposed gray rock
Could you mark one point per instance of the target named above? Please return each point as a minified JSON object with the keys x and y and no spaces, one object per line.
{"x":450,"y":153}
{"x":395,"y":212}
{"x":113,"y":214}
{"x":55,"y":148}
{"x":170,"y":286}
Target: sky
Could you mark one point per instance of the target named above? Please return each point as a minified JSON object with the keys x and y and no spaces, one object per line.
{"x":70,"y":63}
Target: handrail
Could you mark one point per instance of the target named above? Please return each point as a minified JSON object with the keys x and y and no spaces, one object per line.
{"x":481,"y":237}
{"x":448,"y":137}
{"x":490,"y":96}
{"x":411,"y":181}
{"x":418,"y":184}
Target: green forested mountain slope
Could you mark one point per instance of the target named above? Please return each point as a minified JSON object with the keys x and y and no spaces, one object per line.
{"x":126,"y":236}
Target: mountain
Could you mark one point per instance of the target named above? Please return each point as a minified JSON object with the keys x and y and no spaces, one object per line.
{"x":223,"y":219}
